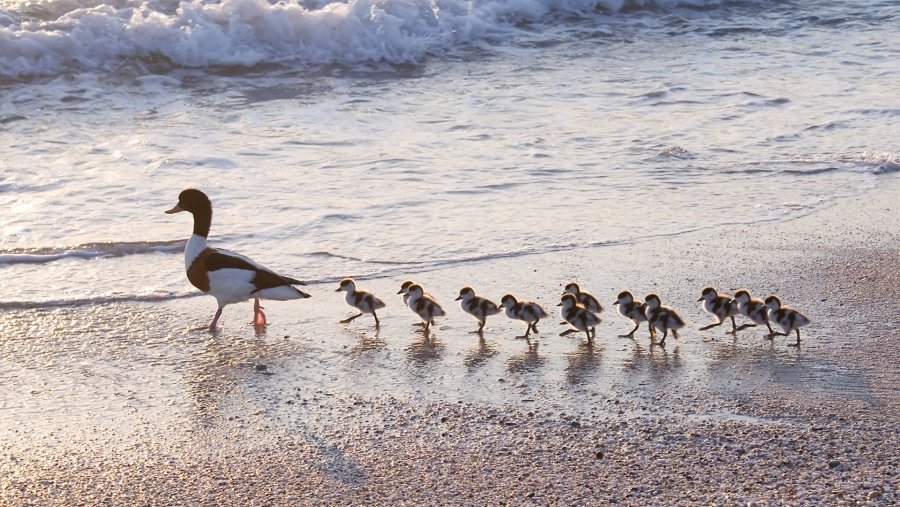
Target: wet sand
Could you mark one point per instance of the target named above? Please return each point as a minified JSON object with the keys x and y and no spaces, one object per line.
{"x":120,"y":405}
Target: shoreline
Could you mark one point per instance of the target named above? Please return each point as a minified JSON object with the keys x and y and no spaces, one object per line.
{"x":315,"y":413}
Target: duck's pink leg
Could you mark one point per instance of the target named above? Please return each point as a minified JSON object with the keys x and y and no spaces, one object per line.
{"x":259,"y":318}
{"x":212,"y":327}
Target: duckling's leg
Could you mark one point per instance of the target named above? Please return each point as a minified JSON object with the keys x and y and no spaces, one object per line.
{"x":527,"y":332}
{"x":589,"y":337}
{"x":771,"y":331}
{"x":377,"y":324}
{"x":534,"y":326}
{"x":662,"y":343}
{"x":480,"y":330}
{"x":259,"y":318}
{"x":593,"y":333}
{"x":704,"y":328}
{"x":350,"y":319}
{"x":567,"y":332}
{"x":745,"y":326}
{"x":675,"y":333}
{"x":798,"y":339}
{"x":733,"y":326}
{"x":631,"y":334}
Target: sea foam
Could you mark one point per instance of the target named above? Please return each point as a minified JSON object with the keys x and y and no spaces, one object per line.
{"x":53,"y":37}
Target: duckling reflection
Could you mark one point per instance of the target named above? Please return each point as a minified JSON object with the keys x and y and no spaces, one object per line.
{"x":583,"y":363}
{"x":479,"y":354}
{"x":424,"y":350}
{"x":654,"y":362}
{"x":367,"y":342}
{"x":527,"y":361}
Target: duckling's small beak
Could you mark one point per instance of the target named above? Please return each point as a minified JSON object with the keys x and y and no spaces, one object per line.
{"x":400,"y":291}
{"x":458,"y":298}
{"x":560,"y":303}
{"x":616,"y":302}
{"x":701,"y":299}
{"x":176,"y":209}
{"x":338,"y":289}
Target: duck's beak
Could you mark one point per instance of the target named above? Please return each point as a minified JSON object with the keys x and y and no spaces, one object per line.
{"x":458,"y":298}
{"x":616,"y":302}
{"x":176,"y":209}
{"x":701,"y":299}
{"x":560,"y":304}
{"x":400,"y":291}
{"x":338,"y":289}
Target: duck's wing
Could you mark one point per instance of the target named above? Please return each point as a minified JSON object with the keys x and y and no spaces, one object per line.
{"x":263,"y":278}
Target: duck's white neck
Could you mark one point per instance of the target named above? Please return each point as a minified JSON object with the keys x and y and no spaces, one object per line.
{"x":195,"y":245}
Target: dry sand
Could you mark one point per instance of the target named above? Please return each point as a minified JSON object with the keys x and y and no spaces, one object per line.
{"x":119,"y":406}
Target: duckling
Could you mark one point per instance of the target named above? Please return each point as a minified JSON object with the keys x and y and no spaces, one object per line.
{"x":529,"y":312}
{"x":578,"y":316}
{"x":361,"y":300}
{"x":589,"y":302}
{"x":786,"y":317}
{"x":634,"y":310}
{"x":662,"y":318}
{"x":721,"y":306}
{"x":424,"y":306}
{"x":754,"y":309}
{"x":404,"y":290}
{"x":476,"y":306}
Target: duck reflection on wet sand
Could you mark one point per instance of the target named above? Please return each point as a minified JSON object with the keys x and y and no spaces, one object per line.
{"x":214,"y":374}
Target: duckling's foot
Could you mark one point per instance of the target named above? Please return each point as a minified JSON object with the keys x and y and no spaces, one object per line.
{"x":350,"y":319}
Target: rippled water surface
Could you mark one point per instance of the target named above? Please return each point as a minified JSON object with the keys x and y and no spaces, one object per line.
{"x":573,"y":130}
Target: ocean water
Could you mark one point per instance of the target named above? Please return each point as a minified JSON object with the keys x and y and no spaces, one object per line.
{"x":386,"y":138}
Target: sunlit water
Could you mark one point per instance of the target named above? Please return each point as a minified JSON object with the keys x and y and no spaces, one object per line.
{"x":386,"y":139}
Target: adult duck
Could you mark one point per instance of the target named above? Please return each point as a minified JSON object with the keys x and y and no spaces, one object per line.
{"x":227,"y":276}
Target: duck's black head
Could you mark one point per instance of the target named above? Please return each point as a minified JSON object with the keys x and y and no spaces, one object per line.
{"x":195,"y":202}
{"x":191,"y":200}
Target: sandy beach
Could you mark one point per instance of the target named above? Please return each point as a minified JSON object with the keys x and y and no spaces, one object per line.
{"x":129,"y":408}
